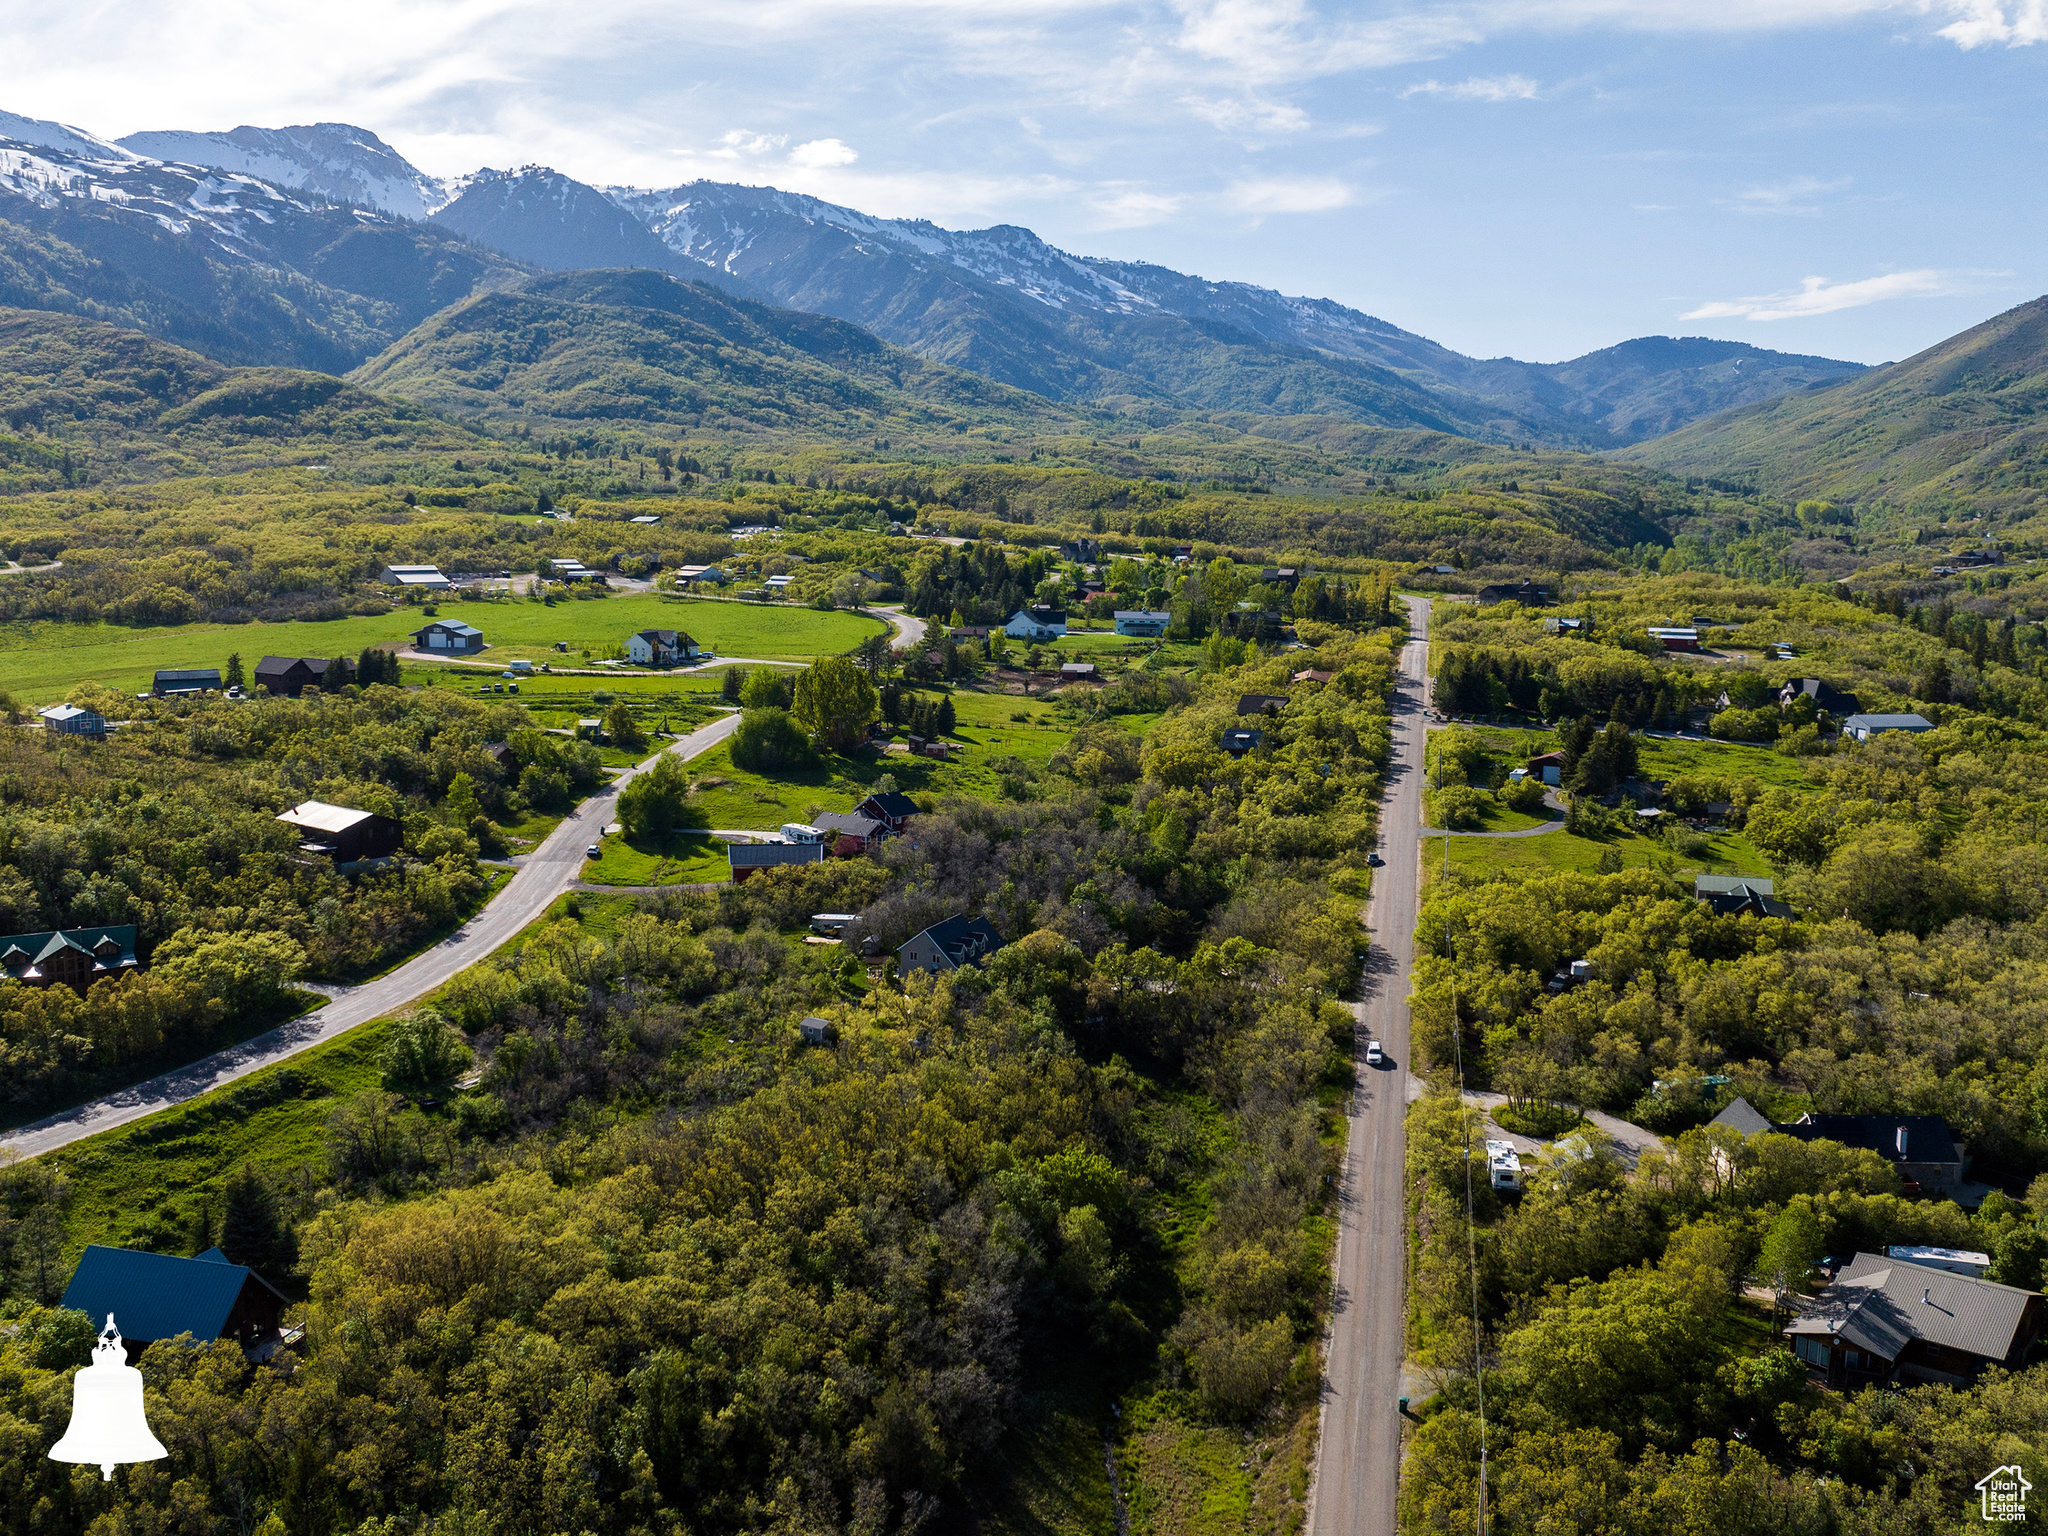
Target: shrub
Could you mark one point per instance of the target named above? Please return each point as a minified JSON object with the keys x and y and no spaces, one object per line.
{"x":768,"y":740}
{"x":1456,"y":806}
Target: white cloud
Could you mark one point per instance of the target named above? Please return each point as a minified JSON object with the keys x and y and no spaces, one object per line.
{"x":823,"y":154}
{"x":1980,"y":23}
{"x":1289,"y":194}
{"x":1818,"y":296}
{"x":1478,"y":88}
{"x":738,"y":141}
{"x":1131,"y":208}
{"x":1236,"y":115}
{"x":1796,"y":195}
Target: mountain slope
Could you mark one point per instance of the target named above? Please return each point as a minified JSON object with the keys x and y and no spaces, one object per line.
{"x":636,"y":346}
{"x":222,"y":262}
{"x":335,"y":160}
{"x":1968,"y":417}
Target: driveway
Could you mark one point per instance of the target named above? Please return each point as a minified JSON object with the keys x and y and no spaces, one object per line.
{"x":910,"y":630}
{"x":1630,"y":1141}
{"x":1550,"y":803}
{"x":544,"y":874}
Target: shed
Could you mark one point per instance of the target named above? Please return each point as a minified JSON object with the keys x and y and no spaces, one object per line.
{"x":816,"y":1031}
{"x":173,"y":682}
{"x":1863,"y":727}
{"x":419,"y":577}
{"x":73,"y":720}
{"x":1549,"y":766}
{"x":290,"y":676}
{"x":748,"y":859}
{"x":156,"y":1296}
{"x":451,"y":638}
{"x":1673,"y":638}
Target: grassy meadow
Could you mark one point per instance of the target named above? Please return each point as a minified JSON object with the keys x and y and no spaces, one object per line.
{"x":41,"y":661}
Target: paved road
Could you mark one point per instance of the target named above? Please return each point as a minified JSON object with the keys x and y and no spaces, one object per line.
{"x":1358,"y":1470}
{"x":910,"y":630}
{"x":544,"y":874}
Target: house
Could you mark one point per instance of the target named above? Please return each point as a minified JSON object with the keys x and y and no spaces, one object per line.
{"x":969,"y":631}
{"x":171,"y":683}
{"x":1549,"y":766}
{"x":1142,"y":623}
{"x":289,"y":676}
{"x":1077,"y":671}
{"x":777,"y":583}
{"x":748,"y":859}
{"x":1504,"y":1165}
{"x":1262,"y":703}
{"x":1081,"y":551}
{"x":1280,"y":576}
{"x":1830,"y":699}
{"x":947,"y":946}
{"x":73,"y":720}
{"x":419,"y":577}
{"x":1239,"y":742}
{"x":1957,"y":1261}
{"x":1920,"y":1147}
{"x":1741,"y":1115}
{"x":1863,"y":727}
{"x":500,"y":753}
{"x":1183,"y":551}
{"x":156,"y":1296}
{"x":815,"y":1031}
{"x":1882,"y":1318}
{"x":1739,"y":896}
{"x":710,"y":573}
{"x":1525,"y":592}
{"x":1443,"y":570}
{"x":448,"y":638}
{"x":1255,"y":624}
{"x":1320,"y":679}
{"x":660,"y":648}
{"x":1036,"y":624}
{"x":1675,"y":639}
{"x":1554,"y":625}
{"x":75,"y":957}
{"x":344,"y":835}
{"x":842,"y":827}
{"x":891,"y":809}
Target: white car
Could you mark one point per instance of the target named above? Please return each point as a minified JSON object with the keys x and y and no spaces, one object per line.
{"x":1374,"y":1056}
{"x":593,"y":852}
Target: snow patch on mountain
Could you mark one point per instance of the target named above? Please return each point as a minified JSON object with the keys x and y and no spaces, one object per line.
{"x":334,"y":160}
{"x":48,"y":135}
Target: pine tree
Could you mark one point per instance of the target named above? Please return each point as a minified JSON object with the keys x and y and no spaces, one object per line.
{"x":252,"y":1229}
{"x":234,"y":677}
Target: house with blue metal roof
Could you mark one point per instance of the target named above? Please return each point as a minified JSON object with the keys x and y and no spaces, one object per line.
{"x":77,"y":957}
{"x":160,"y":1296}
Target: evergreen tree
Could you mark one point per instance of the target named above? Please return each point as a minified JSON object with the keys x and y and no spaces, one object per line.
{"x":336,"y":677}
{"x":233,"y":677}
{"x":732,"y":684}
{"x":252,"y":1229}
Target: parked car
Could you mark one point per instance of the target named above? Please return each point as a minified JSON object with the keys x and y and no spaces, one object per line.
{"x":1373,"y":1055}
{"x":1374,"y":861}
{"x":594,"y":852}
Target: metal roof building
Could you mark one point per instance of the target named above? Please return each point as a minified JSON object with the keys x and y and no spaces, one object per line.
{"x":158,"y":1296}
{"x":1885,"y":1316}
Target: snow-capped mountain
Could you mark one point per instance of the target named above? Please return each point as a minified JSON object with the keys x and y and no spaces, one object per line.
{"x":223,"y":261}
{"x":332,"y":159}
{"x":256,"y":207}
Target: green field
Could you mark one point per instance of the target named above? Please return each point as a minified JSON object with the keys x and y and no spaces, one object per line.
{"x":687,"y":858}
{"x":985,"y":729}
{"x":41,"y":661}
{"x":1729,"y":853}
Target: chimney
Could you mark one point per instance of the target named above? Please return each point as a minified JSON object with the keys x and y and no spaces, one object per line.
{"x":1902,"y":1143}
{"x":1926,"y":1296}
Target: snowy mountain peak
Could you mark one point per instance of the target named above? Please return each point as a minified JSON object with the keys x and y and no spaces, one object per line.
{"x":48,"y":135}
{"x":335,"y":160}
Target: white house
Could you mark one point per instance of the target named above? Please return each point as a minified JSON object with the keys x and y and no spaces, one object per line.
{"x":1036,"y":624}
{"x":710,"y":573}
{"x":777,"y":583}
{"x":1144,"y":623}
{"x":452,"y":638}
{"x":1863,"y":727}
{"x":660,"y":648}
{"x":427,"y":577}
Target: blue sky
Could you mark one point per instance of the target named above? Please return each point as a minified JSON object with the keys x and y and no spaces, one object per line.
{"x":1537,"y":178}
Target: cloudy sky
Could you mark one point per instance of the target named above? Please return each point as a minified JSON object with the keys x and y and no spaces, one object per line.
{"x":1856,"y":178}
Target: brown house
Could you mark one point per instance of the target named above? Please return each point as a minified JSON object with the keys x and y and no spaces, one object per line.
{"x":346,"y":836}
{"x":290,"y":676}
{"x":1885,"y":1318}
{"x":155,"y":1296}
{"x":72,"y":957}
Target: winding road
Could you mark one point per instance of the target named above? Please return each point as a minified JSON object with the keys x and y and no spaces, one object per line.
{"x":544,"y":874}
{"x":1358,"y":1467}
